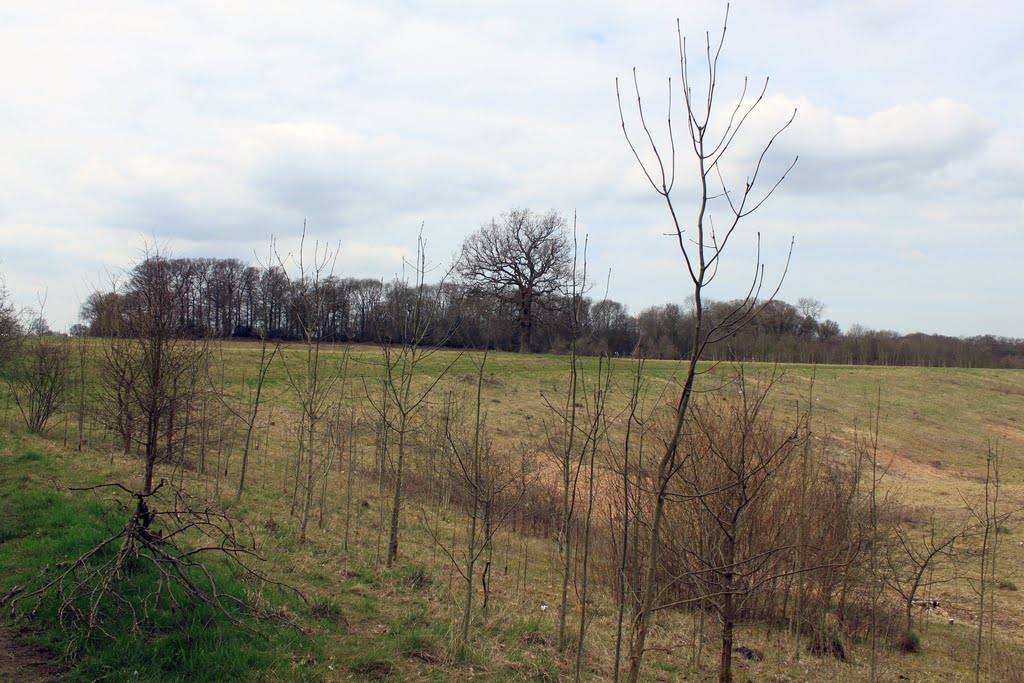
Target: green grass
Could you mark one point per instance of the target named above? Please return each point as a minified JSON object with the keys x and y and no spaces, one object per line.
{"x":41,"y":528}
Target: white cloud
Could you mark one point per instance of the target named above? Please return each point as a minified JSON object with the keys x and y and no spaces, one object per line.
{"x":903,"y":149}
{"x":214,"y":125}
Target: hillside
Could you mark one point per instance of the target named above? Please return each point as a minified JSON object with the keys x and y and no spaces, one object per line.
{"x":358,"y":620}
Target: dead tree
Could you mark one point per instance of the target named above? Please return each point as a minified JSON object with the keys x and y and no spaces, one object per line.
{"x":168,"y":541}
{"x":701,"y":245}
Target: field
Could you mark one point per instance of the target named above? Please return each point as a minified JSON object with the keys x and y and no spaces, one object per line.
{"x":358,"y":620}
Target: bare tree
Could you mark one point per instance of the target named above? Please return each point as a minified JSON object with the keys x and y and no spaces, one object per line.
{"x":564,"y":439}
{"x":247,"y":410}
{"x":312,"y":372}
{"x":701,"y":246}
{"x":810,"y":307}
{"x":523,"y":258}
{"x":485,"y":481}
{"x":989,"y":518}
{"x":401,"y":397}
{"x":596,"y":431}
{"x":915,"y":550}
{"x":40,"y":379}
{"x":147,"y":369}
{"x":730,"y":483}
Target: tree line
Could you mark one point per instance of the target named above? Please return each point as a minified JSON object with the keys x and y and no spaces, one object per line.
{"x":228,"y":298}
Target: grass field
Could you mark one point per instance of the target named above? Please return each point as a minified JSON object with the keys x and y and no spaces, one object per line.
{"x":362,"y":622}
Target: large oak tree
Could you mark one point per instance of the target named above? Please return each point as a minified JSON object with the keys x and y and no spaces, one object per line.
{"x":521,"y":257}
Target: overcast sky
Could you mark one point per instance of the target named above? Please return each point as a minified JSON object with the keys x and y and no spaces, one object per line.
{"x":212,"y":125}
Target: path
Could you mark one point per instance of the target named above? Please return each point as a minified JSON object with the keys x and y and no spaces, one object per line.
{"x":23,"y":664}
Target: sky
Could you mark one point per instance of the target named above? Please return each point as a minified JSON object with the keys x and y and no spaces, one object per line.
{"x":207,"y":127}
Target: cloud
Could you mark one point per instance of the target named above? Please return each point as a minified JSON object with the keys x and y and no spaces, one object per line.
{"x":215,"y":125}
{"x":905,"y":148}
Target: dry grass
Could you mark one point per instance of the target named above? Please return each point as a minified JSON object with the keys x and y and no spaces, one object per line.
{"x":936,"y":426}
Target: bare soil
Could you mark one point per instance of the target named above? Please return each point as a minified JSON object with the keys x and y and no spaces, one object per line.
{"x":24,"y":664}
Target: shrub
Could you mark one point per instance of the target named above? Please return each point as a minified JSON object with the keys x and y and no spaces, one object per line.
{"x":826,"y":644}
{"x":910,"y":642}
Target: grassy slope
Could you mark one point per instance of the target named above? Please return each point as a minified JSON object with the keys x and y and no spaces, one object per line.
{"x":369,"y":624}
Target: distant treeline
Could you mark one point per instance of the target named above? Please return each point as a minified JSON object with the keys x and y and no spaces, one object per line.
{"x":230,"y":299}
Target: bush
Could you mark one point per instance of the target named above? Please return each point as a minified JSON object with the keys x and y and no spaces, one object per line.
{"x":909,"y":643}
{"x":825,"y":644}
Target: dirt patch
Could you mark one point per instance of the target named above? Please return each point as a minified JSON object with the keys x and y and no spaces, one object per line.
{"x":23,"y":664}
{"x":1007,"y":431}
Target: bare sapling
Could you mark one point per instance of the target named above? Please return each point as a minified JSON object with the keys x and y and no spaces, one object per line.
{"x":633,"y":442}
{"x":702,"y":245}
{"x":83,"y":359}
{"x":268,"y":351}
{"x":735,"y":482}
{"x":563,"y":442}
{"x":39,"y":376}
{"x":314,"y":371}
{"x":41,"y":379}
{"x":915,"y":551}
{"x":486,"y":482}
{"x":988,"y":518}
{"x":597,"y":428}
{"x":402,"y":397}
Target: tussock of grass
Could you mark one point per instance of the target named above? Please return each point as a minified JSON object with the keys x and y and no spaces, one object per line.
{"x":31,"y":456}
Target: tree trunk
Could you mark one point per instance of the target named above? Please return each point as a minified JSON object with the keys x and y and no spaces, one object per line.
{"x":524,"y":337}
{"x":525,"y":323}
{"x":396,"y":503}
{"x":307,"y":503}
{"x":728,"y":628}
{"x":151,"y":452}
